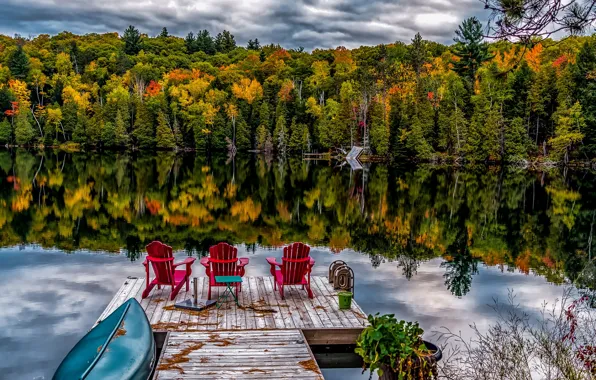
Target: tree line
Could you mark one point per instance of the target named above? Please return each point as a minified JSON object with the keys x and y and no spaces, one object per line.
{"x":471,"y":100}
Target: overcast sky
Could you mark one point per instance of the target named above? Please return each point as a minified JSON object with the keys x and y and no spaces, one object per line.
{"x":292,"y":23}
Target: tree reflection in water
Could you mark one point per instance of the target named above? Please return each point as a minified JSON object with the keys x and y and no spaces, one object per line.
{"x":537,"y":223}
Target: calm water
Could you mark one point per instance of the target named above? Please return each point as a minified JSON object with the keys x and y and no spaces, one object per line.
{"x":429,"y":244}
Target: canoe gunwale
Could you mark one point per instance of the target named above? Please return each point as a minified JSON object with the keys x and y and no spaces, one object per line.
{"x":105,"y":345}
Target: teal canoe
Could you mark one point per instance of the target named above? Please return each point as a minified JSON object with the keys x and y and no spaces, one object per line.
{"x":120,"y":347}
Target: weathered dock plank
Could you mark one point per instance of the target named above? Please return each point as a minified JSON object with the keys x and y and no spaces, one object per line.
{"x":237,"y":354}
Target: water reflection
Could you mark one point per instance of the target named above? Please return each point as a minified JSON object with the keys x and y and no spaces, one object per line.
{"x":538,"y":222}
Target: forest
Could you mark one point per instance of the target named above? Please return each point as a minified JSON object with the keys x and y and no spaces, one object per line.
{"x":473,"y":100}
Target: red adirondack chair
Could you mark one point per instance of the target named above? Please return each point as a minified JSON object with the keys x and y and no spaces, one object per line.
{"x":162,"y":261}
{"x":295,"y":268}
{"x":223,"y":261}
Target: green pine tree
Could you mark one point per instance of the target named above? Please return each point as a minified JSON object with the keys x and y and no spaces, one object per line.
{"x":108,"y":134}
{"x":132,"y":40}
{"x":23,"y":130}
{"x":79,"y":135}
{"x":144,"y":130}
{"x":5,"y":132}
{"x":280,"y":135}
{"x":471,"y":49}
{"x":261,"y":137}
{"x":242,"y":135}
{"x":165,"y":136}
{"x":379,"y":133}
{"x":69,"y":118}
{"x":568,"y":133}
{"x":120,"y":134}
{"x":416,"y":141}
{"x":18,"y":63}
{"x":515,"y":140}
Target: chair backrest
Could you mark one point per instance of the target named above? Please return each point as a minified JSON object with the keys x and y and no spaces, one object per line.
{"x":162,"y":261}
{"x":295,"y":263}
{"x":223,"y":260}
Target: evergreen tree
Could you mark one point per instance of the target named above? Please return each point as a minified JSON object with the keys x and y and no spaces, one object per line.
{"x":18,"y":63}
{"x":23,"y":130}
{"x":264,"y":115}
{"x":242,"y":135}
{"x":165,"y":137}
{"x":191,"y":43}
{"x":95,"y":126}
{"x":144,"y":130}
{"x":164,"y":33}
{"x":69,"y":118}
{"x":108,"y":134}
{"x":5,"y":131}
{"x":261,"y":139}
{"x":205,"y":42}
{"x":132,"y":40}
{"x":515,"y":140}
{"x":177,"y":133}
{"x":470,"y":49}
{"x":253,"y":44}
{"x":280,"y":135}
{"x":585,"y":92}
{"x":417,"y":54}
{"x":416,"y":142}
{"x":298,"y":137}
{"x":120,"y":134}
{"x":379,"y":131}
{"x":568,"y":129}
{"x":225,"y":42}
{"x":79,"y":135}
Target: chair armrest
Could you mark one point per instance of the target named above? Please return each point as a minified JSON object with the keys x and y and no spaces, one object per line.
{"x":311,"y":262}
{"x":187,"y":261}
{"x":243,"y":261}
{"x":205,"y":261}
{"x":145,"y":263}
{"x":273,"y":262}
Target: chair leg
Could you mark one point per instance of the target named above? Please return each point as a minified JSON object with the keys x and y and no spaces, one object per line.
{"x":209,"y":293}
{"x":281,"y":291}
{"x":147,"y":290}
{"x":158,"y":287}
{"x":310,"y":294}
{"x":187,"y":283}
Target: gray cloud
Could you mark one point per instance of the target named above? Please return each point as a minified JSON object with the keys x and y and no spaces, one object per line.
{"x":307,"y":23}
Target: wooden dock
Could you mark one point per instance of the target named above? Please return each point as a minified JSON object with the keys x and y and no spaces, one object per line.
{"x":262,"y":319}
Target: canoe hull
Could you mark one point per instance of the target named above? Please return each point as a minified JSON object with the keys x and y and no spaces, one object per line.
{"x":119,"y":347}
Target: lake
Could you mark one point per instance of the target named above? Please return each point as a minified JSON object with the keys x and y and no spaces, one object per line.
{"x":432,"y":244}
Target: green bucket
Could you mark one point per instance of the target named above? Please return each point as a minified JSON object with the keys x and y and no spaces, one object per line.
{"x":345,"y":300}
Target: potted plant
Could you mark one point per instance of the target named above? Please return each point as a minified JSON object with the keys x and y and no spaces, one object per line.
{"x":395,"y":349}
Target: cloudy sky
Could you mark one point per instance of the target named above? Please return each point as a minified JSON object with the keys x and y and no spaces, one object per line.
{"x":307,"y":23}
